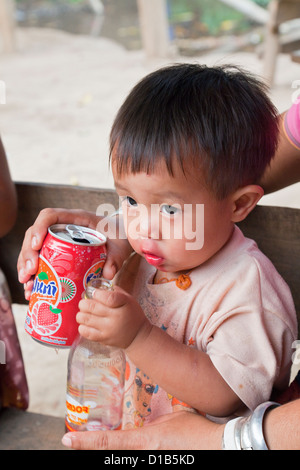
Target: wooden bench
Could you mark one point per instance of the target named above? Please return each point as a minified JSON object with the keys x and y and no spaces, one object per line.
{"x":276,"y":230}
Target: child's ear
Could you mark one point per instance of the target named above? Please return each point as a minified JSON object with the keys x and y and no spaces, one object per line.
{"x":244,"y":200}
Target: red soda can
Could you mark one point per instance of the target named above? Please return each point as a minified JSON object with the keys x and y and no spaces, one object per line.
{"x":71,"y":256}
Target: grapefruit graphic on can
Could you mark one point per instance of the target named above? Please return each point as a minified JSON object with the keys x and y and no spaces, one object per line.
{"x":71,"y":256}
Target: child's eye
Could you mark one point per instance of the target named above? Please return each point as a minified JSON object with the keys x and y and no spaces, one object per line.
{"x":130,"y":201}
{"x":169,"y":210}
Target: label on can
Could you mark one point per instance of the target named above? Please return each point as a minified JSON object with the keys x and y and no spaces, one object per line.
{"x":71,"y":256}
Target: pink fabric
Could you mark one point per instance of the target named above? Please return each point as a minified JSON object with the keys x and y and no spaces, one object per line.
{"x":292,"y":124}
{"x":13,"y":384}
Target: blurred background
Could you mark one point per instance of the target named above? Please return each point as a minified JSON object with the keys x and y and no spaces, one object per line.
{"x":67,"y":65}
{"x":194,"y":25}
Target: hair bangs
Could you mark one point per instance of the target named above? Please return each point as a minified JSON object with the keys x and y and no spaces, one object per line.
{"x":139,"y":149}
{"x":216,"y":124}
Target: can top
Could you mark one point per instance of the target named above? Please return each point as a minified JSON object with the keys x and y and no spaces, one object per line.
{"x":77,"y":235}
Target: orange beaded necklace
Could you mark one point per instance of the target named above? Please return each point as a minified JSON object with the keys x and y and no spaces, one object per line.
{"x":183,"y":281}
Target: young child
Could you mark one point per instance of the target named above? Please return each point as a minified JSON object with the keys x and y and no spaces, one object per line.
{"x":206,"y":321}
{"x":205,"y":325}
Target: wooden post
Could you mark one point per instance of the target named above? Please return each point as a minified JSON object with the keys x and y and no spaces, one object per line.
{"x":7,"y":25}
{"x":154,"y":27}
{"x":279,"y":11}
{"x":272,"y":42}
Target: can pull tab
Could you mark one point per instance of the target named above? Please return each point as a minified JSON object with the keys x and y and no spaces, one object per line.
{"x":76,"y":234}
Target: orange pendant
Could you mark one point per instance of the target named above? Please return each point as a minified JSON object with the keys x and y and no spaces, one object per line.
{"x":183,"y":281}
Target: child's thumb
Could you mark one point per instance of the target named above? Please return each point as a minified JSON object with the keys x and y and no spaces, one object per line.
{"x":110,"y":269}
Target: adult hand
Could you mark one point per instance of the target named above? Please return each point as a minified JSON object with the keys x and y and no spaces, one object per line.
{"x":117,"y":249}
{"x":179,"y":431}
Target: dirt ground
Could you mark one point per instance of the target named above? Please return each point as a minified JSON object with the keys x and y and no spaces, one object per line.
{"x":62,"y":93}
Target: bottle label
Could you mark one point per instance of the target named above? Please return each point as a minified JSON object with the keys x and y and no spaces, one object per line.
{"x":76,"y":412}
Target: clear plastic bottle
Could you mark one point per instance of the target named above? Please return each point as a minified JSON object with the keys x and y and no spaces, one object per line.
{"x":95,"y":383}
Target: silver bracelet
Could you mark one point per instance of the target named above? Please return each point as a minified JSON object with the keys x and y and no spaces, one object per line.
{"x":231,"y":439}
{"x":247,"y":433}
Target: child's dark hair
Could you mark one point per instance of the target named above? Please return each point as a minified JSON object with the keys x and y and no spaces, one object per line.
{"x":217,"y":120}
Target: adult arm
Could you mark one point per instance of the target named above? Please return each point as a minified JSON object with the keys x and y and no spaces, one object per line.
{"x":188,"y":431}
{"x":281,"y":427}
{"x":178,"y":431}
{"x":284,"y":169}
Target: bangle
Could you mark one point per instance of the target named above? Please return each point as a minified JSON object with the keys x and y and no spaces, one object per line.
{"x":252,"y":432}
{"x":231,"y":440}
{"x":247,"y":433}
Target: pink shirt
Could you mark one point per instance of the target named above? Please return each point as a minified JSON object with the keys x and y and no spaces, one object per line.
{"x":292,"y":124}
{"x":238,"y":310}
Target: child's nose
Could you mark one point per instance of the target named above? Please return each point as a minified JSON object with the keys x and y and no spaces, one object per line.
{"x":147,"y":229}
{"x":149,"y":224}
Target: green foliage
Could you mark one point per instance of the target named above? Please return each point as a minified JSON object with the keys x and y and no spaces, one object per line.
{"x":214,"y":15}
{"x":262,"y":3}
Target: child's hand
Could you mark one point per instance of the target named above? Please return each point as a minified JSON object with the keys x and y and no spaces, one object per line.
{"x":111,"y":317}
{"x":117,"y":250}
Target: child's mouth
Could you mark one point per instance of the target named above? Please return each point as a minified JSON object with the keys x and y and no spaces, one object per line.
{"x":152,"y":259}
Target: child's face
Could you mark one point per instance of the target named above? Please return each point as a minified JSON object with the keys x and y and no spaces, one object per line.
{"x":174,"y":222}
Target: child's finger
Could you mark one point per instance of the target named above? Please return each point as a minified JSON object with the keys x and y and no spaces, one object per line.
{"x":95,"y":327}
{"x":88,"y":319}
{"x":110,"y":298}
{"x":110,"y":269}
{"x":90,"y":333}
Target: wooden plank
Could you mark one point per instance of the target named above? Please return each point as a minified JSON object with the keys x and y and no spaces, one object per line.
{"x":21,"y":430}
{"x":277,"y":233}
{"x":288,"y":10}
